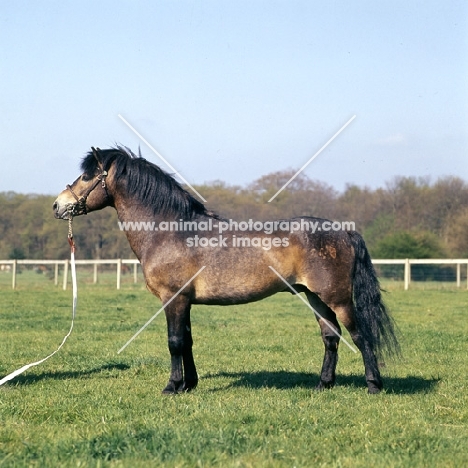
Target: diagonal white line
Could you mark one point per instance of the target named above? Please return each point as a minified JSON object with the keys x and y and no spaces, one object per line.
{"x":159,"y":155}
{"x":312,"y":158}
{"x":312,"y":309}
{"x":161,"y":309}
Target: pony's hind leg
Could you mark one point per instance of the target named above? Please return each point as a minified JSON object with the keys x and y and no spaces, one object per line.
{"x":331,"y":333}
{"x":183,"y":376}
{"x":347,"y":317}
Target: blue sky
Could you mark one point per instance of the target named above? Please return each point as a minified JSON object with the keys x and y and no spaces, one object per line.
{"x":232,"y":91}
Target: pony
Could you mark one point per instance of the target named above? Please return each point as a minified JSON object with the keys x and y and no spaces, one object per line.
{"x":182,"y":266}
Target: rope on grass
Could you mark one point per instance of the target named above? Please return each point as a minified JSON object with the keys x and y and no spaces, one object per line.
{"x":75,"y":296}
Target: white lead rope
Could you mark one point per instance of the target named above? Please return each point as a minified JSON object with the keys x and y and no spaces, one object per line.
{"x":75,"y":296}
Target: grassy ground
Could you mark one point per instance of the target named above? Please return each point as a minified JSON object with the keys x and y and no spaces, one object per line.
{"x":255,"y":405}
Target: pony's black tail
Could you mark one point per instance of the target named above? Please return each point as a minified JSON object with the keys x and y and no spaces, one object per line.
{"x":373,"y":323}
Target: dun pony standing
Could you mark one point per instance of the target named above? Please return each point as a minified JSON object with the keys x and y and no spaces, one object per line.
{"x":333,"y":268}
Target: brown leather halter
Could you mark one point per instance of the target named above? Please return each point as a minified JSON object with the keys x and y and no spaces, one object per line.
{"x":79,"y":208}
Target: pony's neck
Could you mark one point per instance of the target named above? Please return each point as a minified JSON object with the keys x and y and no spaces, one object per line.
{"x":142,"y":225}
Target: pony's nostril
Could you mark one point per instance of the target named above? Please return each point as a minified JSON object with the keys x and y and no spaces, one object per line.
{"x":55,"y":206}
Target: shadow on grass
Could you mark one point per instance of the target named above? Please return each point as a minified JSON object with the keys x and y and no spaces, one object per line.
{"x":30,"y":378}
{"x":286,"y":380}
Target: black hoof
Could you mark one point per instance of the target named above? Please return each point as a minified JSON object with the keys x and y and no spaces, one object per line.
{"x":324,"y":385}
{"x":374,"y":387}
{"x":189,"y":385}
{"x":173,"y":388}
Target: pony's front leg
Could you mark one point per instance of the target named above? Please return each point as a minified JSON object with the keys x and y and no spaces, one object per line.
{"x":180,"y":346}
{"x":190,"y":371}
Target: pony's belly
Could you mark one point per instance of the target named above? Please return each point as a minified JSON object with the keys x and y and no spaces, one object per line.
{"x":236,"y":286}
{"x":233,"y":297}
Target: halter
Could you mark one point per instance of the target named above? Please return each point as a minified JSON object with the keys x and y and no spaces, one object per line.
{"x":79,"y":208}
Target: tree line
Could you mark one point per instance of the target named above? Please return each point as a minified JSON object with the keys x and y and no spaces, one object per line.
{"x":408,"y":218}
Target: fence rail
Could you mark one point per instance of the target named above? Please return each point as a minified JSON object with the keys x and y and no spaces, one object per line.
{"x":407,"y":262}
{"x":12,"y":265}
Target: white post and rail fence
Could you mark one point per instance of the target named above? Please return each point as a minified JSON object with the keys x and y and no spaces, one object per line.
{"x":12,"y":267}
{"x":64,"y":264}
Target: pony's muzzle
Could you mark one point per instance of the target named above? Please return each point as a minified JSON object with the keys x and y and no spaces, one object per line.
{"x":60,"y":211}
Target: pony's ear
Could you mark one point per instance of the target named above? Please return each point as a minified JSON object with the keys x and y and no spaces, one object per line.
{"x":97,"y":155}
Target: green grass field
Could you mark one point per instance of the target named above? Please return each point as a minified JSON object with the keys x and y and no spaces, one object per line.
{"x":255,"y":405}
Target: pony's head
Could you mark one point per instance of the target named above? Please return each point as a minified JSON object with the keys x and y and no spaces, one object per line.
{"x":89,"y":191}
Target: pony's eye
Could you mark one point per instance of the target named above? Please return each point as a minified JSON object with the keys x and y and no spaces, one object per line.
{"x":85,"y":178}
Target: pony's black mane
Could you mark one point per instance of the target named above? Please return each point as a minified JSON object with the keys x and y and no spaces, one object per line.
{"x":146,"y":182}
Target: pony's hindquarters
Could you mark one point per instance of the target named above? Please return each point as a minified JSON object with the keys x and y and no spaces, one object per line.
{"x":341,"y":283}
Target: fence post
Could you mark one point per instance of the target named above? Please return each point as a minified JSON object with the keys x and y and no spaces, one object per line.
{"x":13,"y":271}
{"x":407,"y":273}
{"x":95,"y":274}
{"x":56,"y":274}
{"x":119,"y":270}
{"x":458,"y":275}
{"x":135,"y":272}
{"x":65,"y":275}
